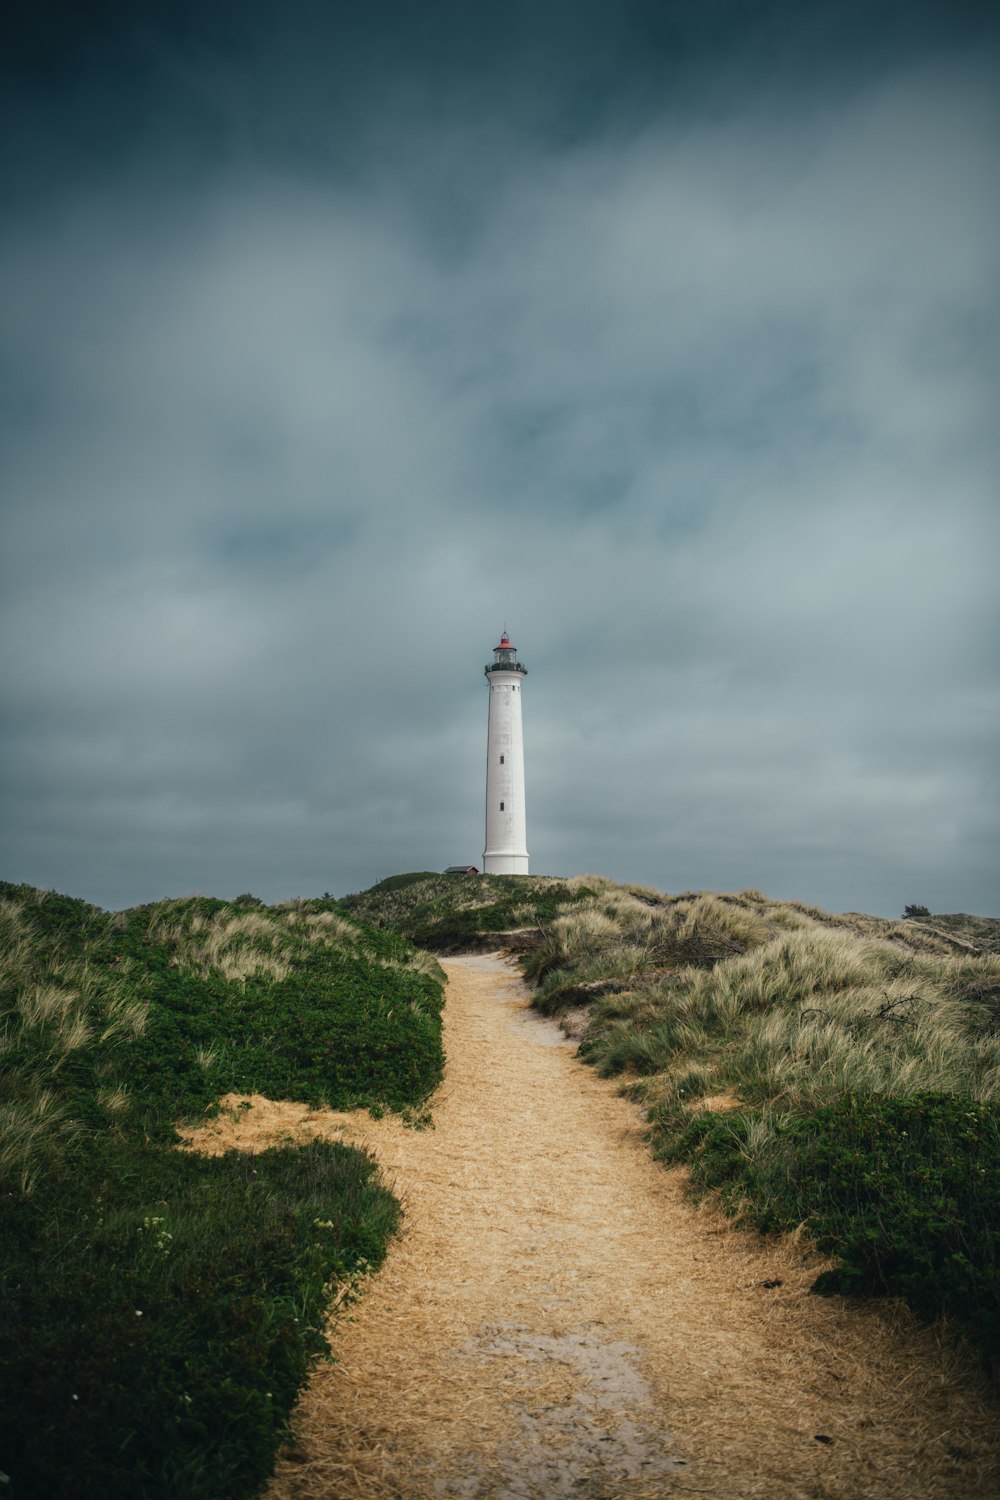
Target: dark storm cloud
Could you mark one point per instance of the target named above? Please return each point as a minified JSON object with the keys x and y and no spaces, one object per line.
{"x":331,"y":344}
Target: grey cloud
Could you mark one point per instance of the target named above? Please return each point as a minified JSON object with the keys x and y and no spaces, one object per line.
{"x":700,"y":408}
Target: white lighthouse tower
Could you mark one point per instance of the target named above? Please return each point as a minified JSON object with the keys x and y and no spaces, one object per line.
{"x":506,"y":851}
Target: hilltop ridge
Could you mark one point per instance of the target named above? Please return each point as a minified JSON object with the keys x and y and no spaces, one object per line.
{"x":456,"y":913}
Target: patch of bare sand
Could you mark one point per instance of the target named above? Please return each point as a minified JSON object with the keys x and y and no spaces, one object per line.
{"x":558,"y":1320}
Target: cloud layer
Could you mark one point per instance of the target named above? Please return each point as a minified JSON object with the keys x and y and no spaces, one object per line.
{"x":699,"y":401}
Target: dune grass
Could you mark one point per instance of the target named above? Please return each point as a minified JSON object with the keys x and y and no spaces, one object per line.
{"x":841,"y":1073}
{"x":159,"y":1312}
{"x":456,"y":913}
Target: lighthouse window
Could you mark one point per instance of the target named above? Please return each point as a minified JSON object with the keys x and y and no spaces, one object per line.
{"x":501,"y":760}
{"x":501,"y":807}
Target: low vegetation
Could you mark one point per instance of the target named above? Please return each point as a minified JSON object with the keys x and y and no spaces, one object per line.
{"x":464,"y":913}
{"x":159,"y":1311}
{"x":833,"y":1073}
{"x":841,"y":1073}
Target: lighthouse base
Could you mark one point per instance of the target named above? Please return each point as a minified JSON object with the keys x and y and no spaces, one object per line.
{"x":504,"y":864}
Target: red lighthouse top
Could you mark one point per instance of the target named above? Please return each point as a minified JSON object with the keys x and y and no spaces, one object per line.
{"x":505,"y":658}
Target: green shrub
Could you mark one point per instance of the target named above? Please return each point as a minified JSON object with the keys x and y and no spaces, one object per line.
{"x":159,"y":1312}
{"x":904,"y":1192}
{"x":908,"y":1196}
{"x":184,"y":1300}
{"x":340,"y":1030}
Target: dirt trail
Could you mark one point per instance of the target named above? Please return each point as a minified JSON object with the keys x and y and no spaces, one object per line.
{"x":558,"y":1321}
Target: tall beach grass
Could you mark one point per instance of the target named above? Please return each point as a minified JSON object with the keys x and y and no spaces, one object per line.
{"x":841,"y":1073}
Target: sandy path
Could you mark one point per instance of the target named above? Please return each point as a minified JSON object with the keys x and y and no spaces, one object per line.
{"x":557,"y":1320}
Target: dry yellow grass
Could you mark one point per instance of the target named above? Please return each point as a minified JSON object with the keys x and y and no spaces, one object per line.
{"x":558,"y":1320}
{"x":247,"y":943}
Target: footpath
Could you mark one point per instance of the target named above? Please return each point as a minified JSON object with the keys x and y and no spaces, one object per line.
{"x":558,"y":1322}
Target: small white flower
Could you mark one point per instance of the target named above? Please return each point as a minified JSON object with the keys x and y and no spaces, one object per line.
{"x":138,"y":1313}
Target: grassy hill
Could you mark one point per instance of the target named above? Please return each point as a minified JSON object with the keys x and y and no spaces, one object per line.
{"x":464,"y":913}
{"x":159,"y":1312}
{"x":837,"y":1072}
{"x":959,"y":930}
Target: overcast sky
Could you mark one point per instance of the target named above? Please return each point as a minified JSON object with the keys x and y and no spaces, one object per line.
{"x":337,"y":337}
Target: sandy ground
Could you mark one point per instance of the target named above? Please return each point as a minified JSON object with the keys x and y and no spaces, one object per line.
{"x":557,"y":1320}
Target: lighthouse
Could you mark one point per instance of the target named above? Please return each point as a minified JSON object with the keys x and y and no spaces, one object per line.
{"x":506,"y":852}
